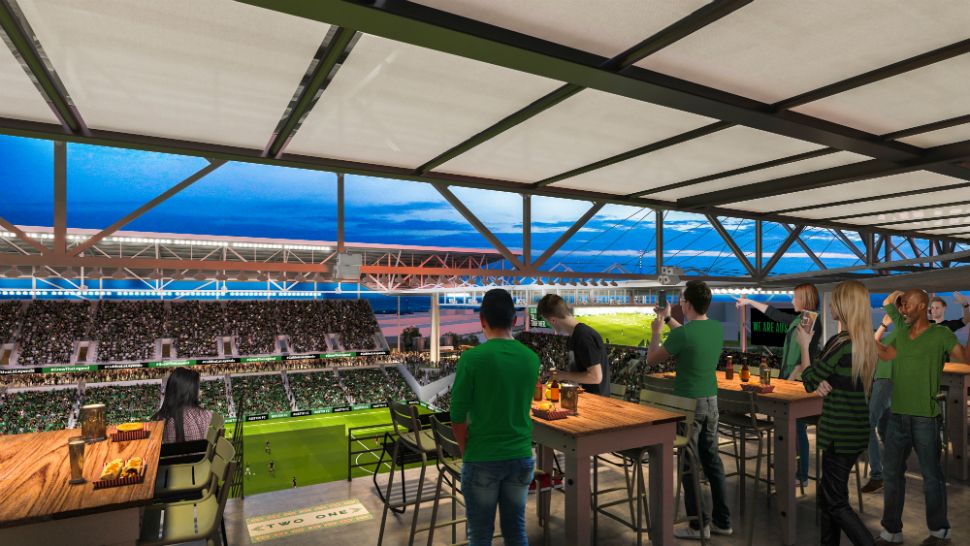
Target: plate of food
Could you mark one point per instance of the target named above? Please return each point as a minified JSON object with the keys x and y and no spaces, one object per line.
{"x":118,"y":472}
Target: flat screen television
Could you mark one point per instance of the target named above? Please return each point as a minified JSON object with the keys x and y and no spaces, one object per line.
{"x":767,"y":332}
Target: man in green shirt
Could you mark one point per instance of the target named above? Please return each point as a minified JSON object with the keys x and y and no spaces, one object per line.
{"x":919,"y":350}
{"x":490,"y":413}
{"x":697,"y":346}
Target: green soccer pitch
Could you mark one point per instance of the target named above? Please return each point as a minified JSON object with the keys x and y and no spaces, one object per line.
{"x":312,"y":448}
{"x":622,"y":328}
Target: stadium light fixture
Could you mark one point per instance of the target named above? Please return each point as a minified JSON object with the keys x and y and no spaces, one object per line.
{"x":242,"y":276}
{"x":262,"y":277}
{"x":12,"y":273}
{"x":199,"y":276}
{"x":119,"y":274}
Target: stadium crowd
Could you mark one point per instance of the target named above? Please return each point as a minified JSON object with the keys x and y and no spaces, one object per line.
{"x":213,"y":396}
{"x":49,"y":330}
{"x":126,"y":330}
{"x":36,"y":411}
{"x":123,"y":403}
{"x":317,"y":390}
{"x":260,"y":393}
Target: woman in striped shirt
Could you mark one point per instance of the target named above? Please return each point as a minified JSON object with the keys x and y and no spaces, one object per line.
{"x":842,"y":374}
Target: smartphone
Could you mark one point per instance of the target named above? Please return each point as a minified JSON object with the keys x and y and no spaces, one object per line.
{"x":662,"y":300}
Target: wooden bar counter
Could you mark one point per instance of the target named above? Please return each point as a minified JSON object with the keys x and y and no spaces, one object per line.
{"x":40,"y":506}
{"x":956,"y":378}
{"x":788,"y":403}
{"x":604,"y":425}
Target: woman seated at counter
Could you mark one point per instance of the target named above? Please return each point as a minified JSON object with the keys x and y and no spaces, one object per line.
{"x":185,"y":419}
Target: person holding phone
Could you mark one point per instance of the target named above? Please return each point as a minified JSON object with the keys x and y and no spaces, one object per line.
{"x":805,"y":302}
{"x":842,"y":374}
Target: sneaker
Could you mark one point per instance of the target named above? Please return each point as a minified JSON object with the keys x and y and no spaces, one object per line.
{"x":726,"y":531}
{"x":872,"y":486}
{"x":885,"y":539}
{"x":689,"y":532}
{"x":935,"y":541}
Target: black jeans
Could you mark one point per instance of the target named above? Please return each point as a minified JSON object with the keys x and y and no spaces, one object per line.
{"x":833,"y":497}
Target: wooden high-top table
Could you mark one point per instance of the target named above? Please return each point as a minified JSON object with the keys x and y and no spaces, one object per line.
{"x":39,"y":506}
{"x":788,"y":403}
{"x":604,"y":425}
{"x":956,"y":377}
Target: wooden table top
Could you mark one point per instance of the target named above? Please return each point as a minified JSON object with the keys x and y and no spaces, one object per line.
{"x":602,"y":414}
{"x":35,"y":469}
{"x":785,"y":391}
{"x":955,"y":368}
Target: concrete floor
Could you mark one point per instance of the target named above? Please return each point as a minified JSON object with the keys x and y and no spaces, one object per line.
{"x":610,"y":533}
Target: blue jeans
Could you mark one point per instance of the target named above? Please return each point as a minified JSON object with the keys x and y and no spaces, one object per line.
{"x":801,"y":437}
{"x":703,"y":441}
{"x":903,"y":434}
{"x":497,"y":483}
{"x":880,"y":400}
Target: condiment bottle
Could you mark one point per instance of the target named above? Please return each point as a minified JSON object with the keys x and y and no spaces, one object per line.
{"x":729,"y":368}
{"x":745,"y":372}
{"x":554,"y":388}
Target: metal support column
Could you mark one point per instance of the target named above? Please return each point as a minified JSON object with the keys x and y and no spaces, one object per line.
{"x":60,"y":197}
{"x":435,"y":329}
{"x":526,"y":230}
{"x":659,"y":247}
{"x":758,"y":248}
{"x":340,"y":212}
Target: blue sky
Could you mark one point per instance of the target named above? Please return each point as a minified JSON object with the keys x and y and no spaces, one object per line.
{"x":242,"y":199}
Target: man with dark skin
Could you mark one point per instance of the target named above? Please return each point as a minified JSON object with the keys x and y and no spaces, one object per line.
{"x":919,"y":351}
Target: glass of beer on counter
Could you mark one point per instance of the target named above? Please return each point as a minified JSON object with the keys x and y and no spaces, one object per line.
{"x":93,"y":426}
{"x":75,"y":450}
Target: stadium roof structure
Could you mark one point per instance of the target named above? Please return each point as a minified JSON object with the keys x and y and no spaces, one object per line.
{"x":848,"y":116}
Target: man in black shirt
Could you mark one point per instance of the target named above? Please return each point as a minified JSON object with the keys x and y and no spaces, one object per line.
{"x":938,"y":311}
{"x":588,"y":363}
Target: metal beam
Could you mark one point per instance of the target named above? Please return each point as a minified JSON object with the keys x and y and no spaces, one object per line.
{"x":734,"y":172}
{"x":340,"y":212}
{"x":27,"y":49}
{"x":60,"y":197}
{"x":811,"y":254}
{"x":337,"y":45}
{"x":833,"y":176}
{"x":881,"y":266}
{"x":882,"y":73}
{"x":731,"y":244}
{"x":841,"y":236}
{"x":659,"y":246}
{"x":698,"y":19}
{"x":781,"y":251}
{"x":30,"y":129}
{"x":758,"y":247}
{"x":928,"y":128}
{"x":67,"y":260}
{"x":652,"y":147}
{"x":420,"y":25}
{"x":478,"y":225}
{"x":928,"y":219}
{"x":877,"y":197}
{"x":161,"y":198}
{"x":526,"y":230}
{"x":937,"y":206}
{"x":568,"y":235}
{"x":23,"y":236}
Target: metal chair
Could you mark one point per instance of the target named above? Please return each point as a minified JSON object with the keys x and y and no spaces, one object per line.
{"x":420,"y":442}
{"x":637,"y":457}
{"x":739,"y":420}
{"x":193,"y":520}
{"x":184,"y":479}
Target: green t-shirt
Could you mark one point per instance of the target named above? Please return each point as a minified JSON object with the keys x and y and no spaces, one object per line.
{"x":884,"y":368}
{"x":493,"y":392}
{"x":697,"y":347}
{"x":918,"y":366}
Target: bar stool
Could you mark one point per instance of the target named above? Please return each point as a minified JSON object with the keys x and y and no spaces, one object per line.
{"x":739,"y":419}
{"x":449,"y":464}
{"x":637,"y":457}
{"x":410,"y":438}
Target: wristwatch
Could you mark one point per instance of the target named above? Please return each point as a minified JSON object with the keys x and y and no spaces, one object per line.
{"x":666,"y":320}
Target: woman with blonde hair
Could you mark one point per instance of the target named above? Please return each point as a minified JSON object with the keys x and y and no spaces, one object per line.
{"x":804,"y":300}
{"x":842,"y":374}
